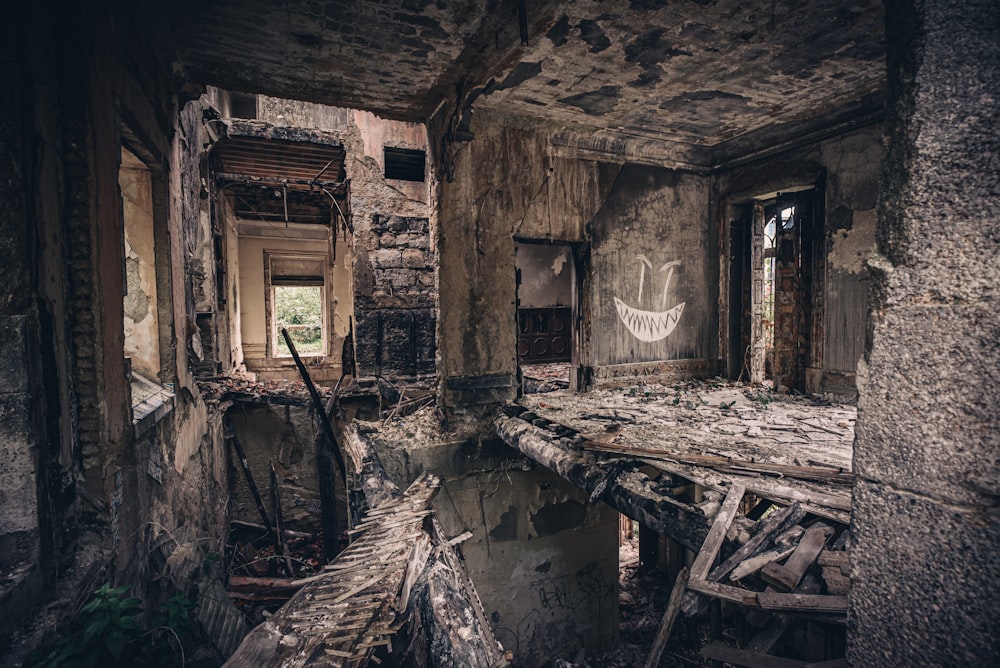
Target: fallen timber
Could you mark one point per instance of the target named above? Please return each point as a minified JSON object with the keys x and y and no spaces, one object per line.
{"x":783,"y":468}
{"x":631,"y":492}
{"x":398,"y":592}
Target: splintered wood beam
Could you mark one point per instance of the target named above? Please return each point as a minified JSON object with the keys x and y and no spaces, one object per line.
{"x":776,"y":524}
{"x":669,"y":617}
{"x":785,"y":577}
{"x":710,"y":549}
{"x":800,"y":603}
{"x":631,"y":492}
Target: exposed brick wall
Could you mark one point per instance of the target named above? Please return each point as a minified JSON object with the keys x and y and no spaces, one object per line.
{"x":394,"y":299}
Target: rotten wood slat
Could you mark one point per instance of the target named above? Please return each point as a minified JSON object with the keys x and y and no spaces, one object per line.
{"x":243,"y":583}
{"x":783,"y":493}
{"x":713,"y":542}
{"x":757,"y":562}
{"x":774,"y":525}
{"x":728,"y":464}
{"x":786,"y":577}
{"x":669,"y":616}
{"x":743,"y":597}
{"x":802,"y":602}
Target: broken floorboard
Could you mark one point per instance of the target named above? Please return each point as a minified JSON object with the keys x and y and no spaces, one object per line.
{"x":715,"y":434}
{"x":631,"y":492}
{"x":341,"y":616}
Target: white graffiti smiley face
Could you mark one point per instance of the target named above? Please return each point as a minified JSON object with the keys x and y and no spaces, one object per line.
{"x":650,"y":326}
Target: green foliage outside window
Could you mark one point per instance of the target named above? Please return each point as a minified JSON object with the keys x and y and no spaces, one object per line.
{"x":300,"y":311}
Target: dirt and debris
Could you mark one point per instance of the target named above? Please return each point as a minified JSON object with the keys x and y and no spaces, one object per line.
{"x":542,"y":378}
{"x":770,"y":473}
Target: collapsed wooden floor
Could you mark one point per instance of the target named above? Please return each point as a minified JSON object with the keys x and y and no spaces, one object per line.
{"x":755,"y":485}
{"x":400,"y":581}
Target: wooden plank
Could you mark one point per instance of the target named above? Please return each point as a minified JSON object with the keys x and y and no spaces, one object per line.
{"x":669,"y":616}
{"x":736,"y":595}
{"x":757,"y":562}
{"x":774,"y":525}
{"x":710,"y":548}
{"x":786,"y":577}
{"x":717,"y":482}
{"x":802,"y":603}
{"x":740,"y":657}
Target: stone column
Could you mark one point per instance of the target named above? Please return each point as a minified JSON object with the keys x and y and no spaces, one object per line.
{"x":926,"y":527}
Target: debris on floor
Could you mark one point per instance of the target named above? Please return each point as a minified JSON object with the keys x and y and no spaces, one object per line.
{"x":768,"y":477}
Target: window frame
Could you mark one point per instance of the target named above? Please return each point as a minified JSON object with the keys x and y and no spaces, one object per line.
{"x":323,"y":281}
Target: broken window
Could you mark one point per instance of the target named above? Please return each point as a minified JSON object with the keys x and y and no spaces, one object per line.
{"x":296,"y":287}
{"x":145,"y":303}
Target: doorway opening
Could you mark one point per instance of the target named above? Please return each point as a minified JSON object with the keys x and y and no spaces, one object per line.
{"x":546,"y":309}
{"x":782,"y":263}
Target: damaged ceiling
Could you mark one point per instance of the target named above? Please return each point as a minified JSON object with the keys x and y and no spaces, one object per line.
{"x":696,"y":73}
{"x":274,"y":174}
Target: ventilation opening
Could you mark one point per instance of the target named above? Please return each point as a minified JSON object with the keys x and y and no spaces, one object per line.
{"x":405,"y":164}
{"x":243,"y":105}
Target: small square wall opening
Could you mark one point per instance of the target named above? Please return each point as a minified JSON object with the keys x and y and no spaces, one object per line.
{"x":405,"y":164}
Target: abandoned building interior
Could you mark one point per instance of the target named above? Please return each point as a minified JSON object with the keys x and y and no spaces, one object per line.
{"x":378,"y":332}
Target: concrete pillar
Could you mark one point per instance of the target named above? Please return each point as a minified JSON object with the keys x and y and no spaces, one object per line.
{"x":926,"y":556}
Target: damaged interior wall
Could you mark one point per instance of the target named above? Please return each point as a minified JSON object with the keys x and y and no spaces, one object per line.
{"x":843,"y":171}
{"x":652,"y":291}
{"x":506,"y":184}
{"x":544,"y":559}
{"x":392,"y":246}
{"x":97,"y":496}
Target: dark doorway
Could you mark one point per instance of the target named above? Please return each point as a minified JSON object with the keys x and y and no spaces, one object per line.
{"x":782,"y":261}
{"x":546,"y":281}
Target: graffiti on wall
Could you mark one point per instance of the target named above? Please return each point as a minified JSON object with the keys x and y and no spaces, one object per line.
{"x":650,"y":326}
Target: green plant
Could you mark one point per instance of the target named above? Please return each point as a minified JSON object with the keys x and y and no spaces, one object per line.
{"x":108,"y":632}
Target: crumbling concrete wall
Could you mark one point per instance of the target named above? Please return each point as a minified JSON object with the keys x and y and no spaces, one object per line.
{"x":545,"y":561}
{"x":925,"y":563}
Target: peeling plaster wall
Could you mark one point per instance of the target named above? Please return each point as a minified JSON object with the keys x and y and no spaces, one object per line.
{"x":142,"y":342}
